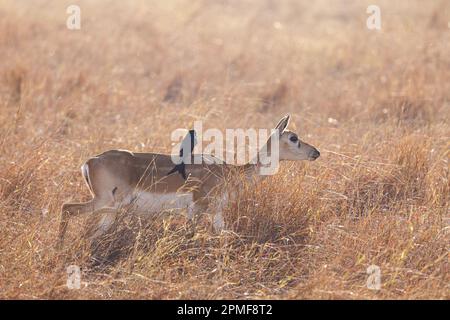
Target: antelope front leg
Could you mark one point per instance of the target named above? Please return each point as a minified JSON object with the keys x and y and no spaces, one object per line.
{"x":199,"y":204}
{"x":194,"y":210}
{"x":218,"y":220}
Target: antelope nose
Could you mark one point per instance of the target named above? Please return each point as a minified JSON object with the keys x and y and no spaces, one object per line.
{"x":315,"y":154}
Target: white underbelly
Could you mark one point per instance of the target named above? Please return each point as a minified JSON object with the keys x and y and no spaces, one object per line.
{"x":157,"y":202}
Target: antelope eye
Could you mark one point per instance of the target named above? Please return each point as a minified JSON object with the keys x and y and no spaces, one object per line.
{"x":293,"y":139}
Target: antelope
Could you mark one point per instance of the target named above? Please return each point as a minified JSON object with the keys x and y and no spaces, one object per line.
{"x":119,"y":178}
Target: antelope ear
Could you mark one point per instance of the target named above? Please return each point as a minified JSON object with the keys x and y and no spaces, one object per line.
{"x":283,"y":123}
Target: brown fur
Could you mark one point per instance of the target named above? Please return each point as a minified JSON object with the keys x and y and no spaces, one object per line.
{"x":117,"y":174}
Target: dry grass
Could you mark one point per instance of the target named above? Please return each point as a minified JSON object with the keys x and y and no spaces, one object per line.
{"x":377,"y":105}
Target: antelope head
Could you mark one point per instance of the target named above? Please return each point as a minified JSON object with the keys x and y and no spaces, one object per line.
{"x":291,"y":147}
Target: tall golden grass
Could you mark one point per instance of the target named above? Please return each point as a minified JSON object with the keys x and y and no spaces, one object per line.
{"x":375,"y":103}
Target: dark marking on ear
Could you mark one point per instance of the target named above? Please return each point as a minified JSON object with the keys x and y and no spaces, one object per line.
{"x":114,"y":191}
{"x":283,"y":123}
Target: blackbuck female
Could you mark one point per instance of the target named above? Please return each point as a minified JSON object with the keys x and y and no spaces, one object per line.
{"x":118,"y":178}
